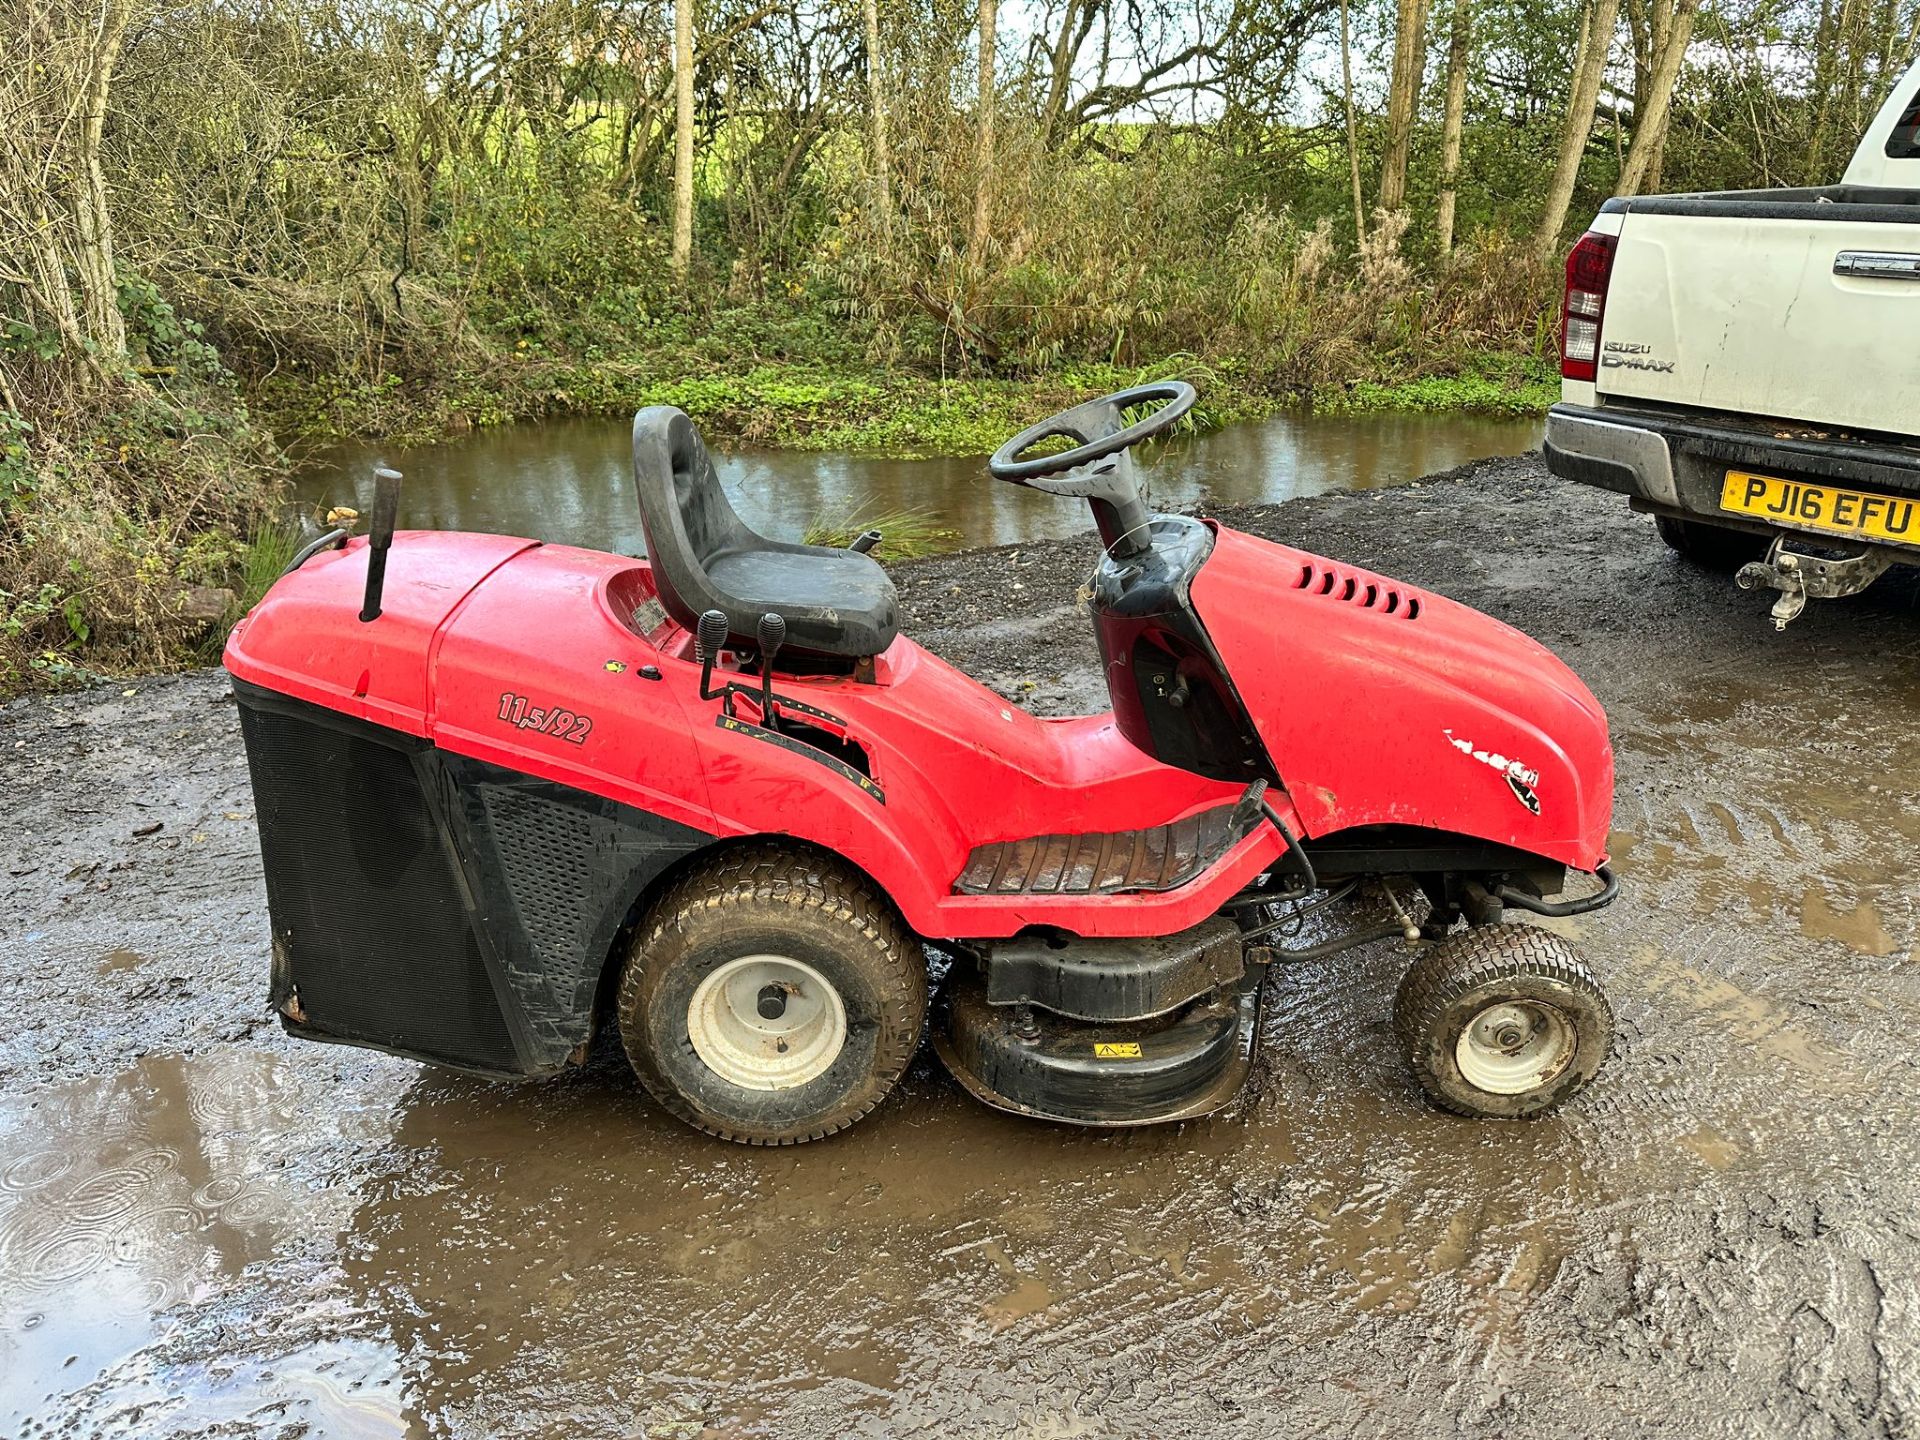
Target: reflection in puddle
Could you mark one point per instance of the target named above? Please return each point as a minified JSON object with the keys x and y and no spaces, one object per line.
{"x":124,"y":1199}
{"x":568,"y":481}
{"x":343,"y":1241}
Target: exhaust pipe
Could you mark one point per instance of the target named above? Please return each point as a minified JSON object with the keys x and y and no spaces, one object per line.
{"x":386,"y":509}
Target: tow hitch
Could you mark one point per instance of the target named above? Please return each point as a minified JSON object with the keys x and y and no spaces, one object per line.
{"x":1800,"y":576}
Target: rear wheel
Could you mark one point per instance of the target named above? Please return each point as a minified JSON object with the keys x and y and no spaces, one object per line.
{"x":1504,"y":1020}
{"x":772,"y":997}
{"x":1713,"y":546}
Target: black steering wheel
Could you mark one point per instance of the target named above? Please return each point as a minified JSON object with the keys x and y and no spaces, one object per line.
{"x":1096,"y":425}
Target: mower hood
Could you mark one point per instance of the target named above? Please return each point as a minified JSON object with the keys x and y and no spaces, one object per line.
{"x":1383,"y":704}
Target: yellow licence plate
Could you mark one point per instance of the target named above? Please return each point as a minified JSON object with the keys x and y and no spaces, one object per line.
{"x":1822,"y":507}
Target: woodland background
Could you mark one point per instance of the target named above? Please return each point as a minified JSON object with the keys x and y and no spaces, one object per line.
{"x":228,"y":227}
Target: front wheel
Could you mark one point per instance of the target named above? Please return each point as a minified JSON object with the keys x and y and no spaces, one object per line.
{"x":1504,"y":1020}
{"x":772,"y":997}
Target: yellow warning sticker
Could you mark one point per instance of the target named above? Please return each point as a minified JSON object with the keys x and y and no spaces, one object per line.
{"x":1117,"y":1050}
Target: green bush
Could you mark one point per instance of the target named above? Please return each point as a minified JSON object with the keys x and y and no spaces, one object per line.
{"x":121,"y":501}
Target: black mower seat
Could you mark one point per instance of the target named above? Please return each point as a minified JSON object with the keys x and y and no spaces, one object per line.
{"x":835,"y":602}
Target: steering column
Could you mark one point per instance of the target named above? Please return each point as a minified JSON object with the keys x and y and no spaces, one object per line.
{"x":1099,"y":469}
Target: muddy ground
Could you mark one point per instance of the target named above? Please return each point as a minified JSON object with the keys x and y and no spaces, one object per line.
{"x":208,"y":1229}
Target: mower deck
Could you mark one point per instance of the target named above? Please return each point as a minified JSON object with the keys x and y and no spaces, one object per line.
{"x":1029,"y":1061}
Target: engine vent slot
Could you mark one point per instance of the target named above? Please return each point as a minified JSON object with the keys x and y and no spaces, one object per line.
{"x":1164,"y":857}
{"x":1358,"y":588}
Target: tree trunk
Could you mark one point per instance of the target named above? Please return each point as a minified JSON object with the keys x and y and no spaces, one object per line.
{"x":1601,"y":16}
{"x":1353,"y":145}
{"x":682,"y":134}
{"x":93,"y":226}
{"x":1075,"y":25}
{"x":1640,"y":37}
{"x":1846,"y":50}
{"x":47,"y":287}
{"x":881,"y":158}
{"x":983,"y":145}
{"x":1403,"y":100}
{"x":1650,"y":122}
{"x":1656,"y":159}
{"x":1459,"y":38}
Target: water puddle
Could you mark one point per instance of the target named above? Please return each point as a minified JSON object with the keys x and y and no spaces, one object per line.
{"x":344,"y":1241}
{"x":1711,"y":1147}
{"x":117,"y":962}
{"x":569,"y":481}
{"x":1761,"y":813}
{"x":1752,"y":1020}
{"x":127,"y":1202}
{"x":1860,"y":929}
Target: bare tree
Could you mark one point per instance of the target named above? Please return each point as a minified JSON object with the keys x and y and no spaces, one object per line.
{"x":880,"y":159}
{"x":1353,"y":144}
{"x":983,"y":141}
{"x":93,"y":226}
{"x":57,"y":62}
{"x":1076,"y":24}
{"x":1459,"y":39}
{"x":1672,"y":29}
{"x":1128,"y":60}
{"x":1602,"y":15}
{"x":1403,"y":100}
{"x":682,"y":134}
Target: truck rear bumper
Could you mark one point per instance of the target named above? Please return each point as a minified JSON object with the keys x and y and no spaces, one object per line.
{"x":1628,"y":459}
{"x":1677,"y":465}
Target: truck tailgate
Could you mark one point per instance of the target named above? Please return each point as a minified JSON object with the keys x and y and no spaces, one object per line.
{"x":1756,"y":314}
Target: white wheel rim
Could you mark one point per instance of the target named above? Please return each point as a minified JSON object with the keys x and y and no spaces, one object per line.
{"x":776,"y":1051}
{"x":1513,"y":1046}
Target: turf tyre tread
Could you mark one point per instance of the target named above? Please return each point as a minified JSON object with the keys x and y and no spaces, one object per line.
{"x":1467,"y":971}
{"x":766,"y":887}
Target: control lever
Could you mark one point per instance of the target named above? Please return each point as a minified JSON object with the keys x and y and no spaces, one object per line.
{"x":865,"y":541}
{"x":709,"y":638}
{"x":773,"y":634}
{"x":386,"y":509}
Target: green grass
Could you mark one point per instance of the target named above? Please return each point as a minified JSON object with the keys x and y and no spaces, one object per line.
{"x":1518,"y":387}
{"x":264,"y":559}
{"x":803,"y":396}
{"x":904,"y":534}
{"x":786,"y":405}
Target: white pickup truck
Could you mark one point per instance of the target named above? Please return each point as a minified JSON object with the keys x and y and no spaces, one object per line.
{"x":1746,"y":366}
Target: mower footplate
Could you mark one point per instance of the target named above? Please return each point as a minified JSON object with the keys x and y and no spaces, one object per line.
{"x":1028,"y":1061}
{"x":1103,"y":981}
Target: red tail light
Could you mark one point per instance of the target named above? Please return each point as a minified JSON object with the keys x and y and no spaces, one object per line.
{"x":1589,"y":268}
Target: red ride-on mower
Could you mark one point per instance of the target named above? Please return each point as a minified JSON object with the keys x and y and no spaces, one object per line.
{"x":507,"y":788}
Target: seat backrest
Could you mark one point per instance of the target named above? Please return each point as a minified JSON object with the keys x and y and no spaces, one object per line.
{"x":684,"y":512}
{"x":835,"y":602}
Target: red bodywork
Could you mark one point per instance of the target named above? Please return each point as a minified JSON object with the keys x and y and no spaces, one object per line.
{"x":1372,"y":718}
{"x":1384,"y":704}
